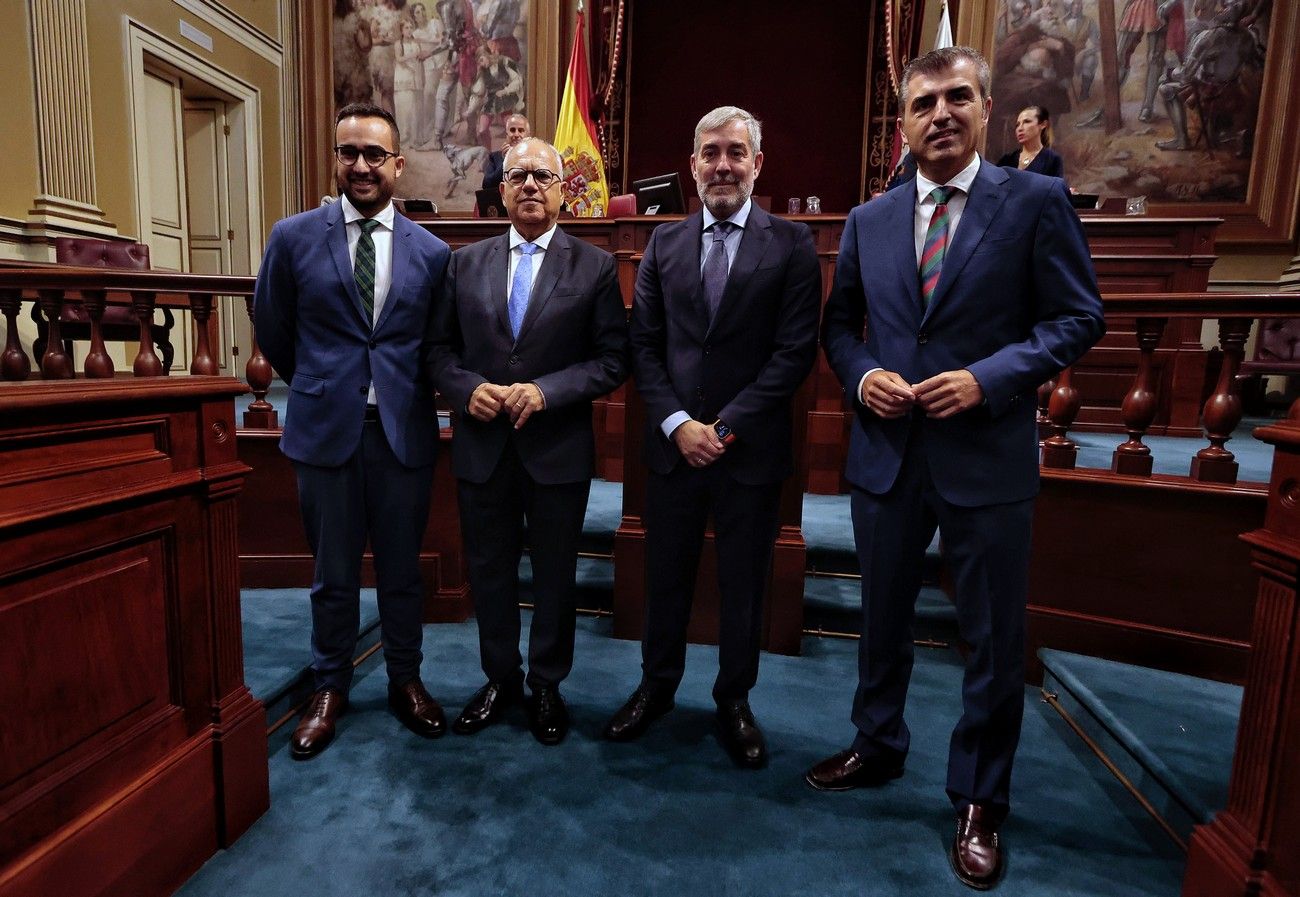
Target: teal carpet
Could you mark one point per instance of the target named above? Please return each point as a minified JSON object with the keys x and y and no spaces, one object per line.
{"x":385,"y":812}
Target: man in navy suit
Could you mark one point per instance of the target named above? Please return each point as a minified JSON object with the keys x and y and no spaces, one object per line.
{"x":342,"y":302}
{"x":974,"y":285}
{"x":534,"y":329}
{"x":724,"y":330}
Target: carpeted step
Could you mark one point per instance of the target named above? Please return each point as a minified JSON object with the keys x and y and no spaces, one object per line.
{"x":1170,"y":735}
{"x":277,"y":644}
{"x":834,"y":605}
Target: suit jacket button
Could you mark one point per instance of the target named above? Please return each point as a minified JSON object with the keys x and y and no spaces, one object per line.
{"x":922,"y":338}
{"x":373,"y":344}
{"x":363,"y":390}
{"x":514,"y":359}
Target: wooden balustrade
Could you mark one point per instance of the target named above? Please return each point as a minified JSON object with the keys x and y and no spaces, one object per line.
{"x":1235,"y":313}
{"x":54,"y":286}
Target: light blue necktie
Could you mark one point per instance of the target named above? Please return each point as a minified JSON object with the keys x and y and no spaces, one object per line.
{"x":520,"y":287}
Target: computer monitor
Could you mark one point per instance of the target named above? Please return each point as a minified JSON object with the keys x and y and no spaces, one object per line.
{"x":659,"y":195}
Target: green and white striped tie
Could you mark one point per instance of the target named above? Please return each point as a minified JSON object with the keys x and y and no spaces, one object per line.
{"x":363,"y":268}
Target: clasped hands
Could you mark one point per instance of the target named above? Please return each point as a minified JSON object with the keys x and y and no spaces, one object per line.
{"x":519,"y":400}
{"x":940,"y":396}
{"x":698,"y":443}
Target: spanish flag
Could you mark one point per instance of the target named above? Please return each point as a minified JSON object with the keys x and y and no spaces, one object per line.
{"x":585,"y":188}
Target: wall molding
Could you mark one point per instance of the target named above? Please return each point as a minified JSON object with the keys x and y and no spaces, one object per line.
{"x":236,"y":27}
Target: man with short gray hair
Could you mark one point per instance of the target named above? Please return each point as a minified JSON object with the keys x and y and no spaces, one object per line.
{"x":723,"y":333}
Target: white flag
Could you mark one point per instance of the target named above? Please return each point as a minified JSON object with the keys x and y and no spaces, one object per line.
{"x":944,"y":37}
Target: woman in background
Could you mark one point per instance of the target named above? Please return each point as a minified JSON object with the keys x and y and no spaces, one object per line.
{"x":1034,"y":134}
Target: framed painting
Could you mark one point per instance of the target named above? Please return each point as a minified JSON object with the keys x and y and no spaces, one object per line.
{"x":450,"y":71}
{"x":1189,"y":103}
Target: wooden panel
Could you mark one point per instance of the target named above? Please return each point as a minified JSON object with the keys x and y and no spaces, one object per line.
{"x":131,"y":750}
{"x":1145,"y":571}
{"x":105,"y":603}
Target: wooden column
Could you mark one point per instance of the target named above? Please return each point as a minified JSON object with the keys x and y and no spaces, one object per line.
{"x":1133,"y":457}
{"x":1253,"y":846}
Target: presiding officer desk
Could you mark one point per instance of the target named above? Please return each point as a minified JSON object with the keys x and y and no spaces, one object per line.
{"x":1132,"y":254}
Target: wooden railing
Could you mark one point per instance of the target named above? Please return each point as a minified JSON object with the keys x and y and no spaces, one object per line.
{"x":1222,"y":412}
{"x":54,"y":286}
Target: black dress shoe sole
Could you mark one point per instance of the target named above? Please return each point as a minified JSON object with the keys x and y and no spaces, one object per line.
{"x":978,"y":884}
{"x":852,"y":784}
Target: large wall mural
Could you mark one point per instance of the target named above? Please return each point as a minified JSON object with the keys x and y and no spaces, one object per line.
{"x":1170,"y":114}
{"x":451,"y":72}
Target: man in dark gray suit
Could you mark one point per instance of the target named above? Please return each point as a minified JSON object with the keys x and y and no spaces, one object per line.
{"x":534,"y":330}
{"x":724,"y":329}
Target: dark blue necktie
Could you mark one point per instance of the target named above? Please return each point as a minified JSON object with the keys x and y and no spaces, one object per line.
{"x":715,"y":266}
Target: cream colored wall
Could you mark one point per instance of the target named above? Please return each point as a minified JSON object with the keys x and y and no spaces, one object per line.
{"x":18,"y":136}
{"x":107,"y":37}
{"x":114,"y":163}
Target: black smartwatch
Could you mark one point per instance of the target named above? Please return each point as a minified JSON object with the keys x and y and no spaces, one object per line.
{"x":724,"y":433}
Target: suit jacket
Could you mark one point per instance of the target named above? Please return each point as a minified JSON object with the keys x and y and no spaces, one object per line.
{"x":1016,"y":302}
{"x":572,"y":344}
{"x":745,"y":365}
{"x":313,"y":330}
{"x":494,"y":170}
{"x":1048,"y":162}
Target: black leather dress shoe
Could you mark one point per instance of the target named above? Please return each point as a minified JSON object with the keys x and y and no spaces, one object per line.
{"x":548,"y":718}
{"x":632,"y":719}
{"x":487,"y":705}
{"x":849,"y":769}
{"x":315,"y":730}
{"x":741,"y":736}
{"x":976,"y":854}
{"x":417,"y":709}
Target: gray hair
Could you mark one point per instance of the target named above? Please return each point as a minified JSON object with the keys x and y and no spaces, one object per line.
{"x":938,"y":61}
{"x":725,"y":115}
{"x":519,"y":147}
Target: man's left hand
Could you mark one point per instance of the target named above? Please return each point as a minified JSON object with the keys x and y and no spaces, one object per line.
{"x":522,"y":400}
{"x":949,"y":393}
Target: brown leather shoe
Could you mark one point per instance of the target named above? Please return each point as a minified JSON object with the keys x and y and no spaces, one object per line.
{"x":976,"y":853}
{"x":417,"y":709}
{"x":849,"y":769}
{"x":316,"y":728}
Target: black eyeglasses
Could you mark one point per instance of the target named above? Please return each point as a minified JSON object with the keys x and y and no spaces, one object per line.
{"x":374,"y":155}
{"x":517,"y":177}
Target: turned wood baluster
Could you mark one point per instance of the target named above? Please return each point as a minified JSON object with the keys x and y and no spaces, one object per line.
{"x":1139,"y":408}
{"x":14,"y":364}
{"x":56,"y":365}
{"x":1059,"y":450}
{"x":1044,"y":422}
{"x":261,"y":414}
{"x":1222,"y":413}
{"x":97,"y":365}
{"x":203,"y":362}
{"x":146,"y":360}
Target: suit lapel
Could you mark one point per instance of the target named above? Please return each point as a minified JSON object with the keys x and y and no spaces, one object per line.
{"x":336,"y":237}
{"x":400,"y":267}
{"x":754,"y":240}
{"x":555,"y":260}
{"x":680,"y":261}
{"x":497,"y":293}
{"x":987,"y":193}
{"x":900,"y":220}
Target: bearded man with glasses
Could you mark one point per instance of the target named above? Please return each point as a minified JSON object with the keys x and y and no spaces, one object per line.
{"x":341,"y":307}
{"x":534,"y":329}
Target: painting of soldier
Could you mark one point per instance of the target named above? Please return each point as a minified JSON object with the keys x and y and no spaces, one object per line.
{"x":451,"y":72}
{"x":1173,"y":119}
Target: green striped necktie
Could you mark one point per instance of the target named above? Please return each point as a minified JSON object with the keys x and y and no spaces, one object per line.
{"x":363,"y":268}
{"x":936,"y":243}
